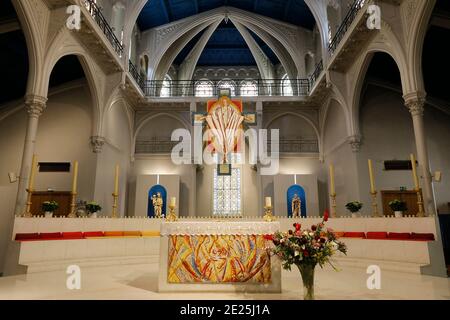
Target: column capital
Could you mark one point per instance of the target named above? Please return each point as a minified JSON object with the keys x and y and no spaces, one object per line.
{"x":35,"y":105}
{"x":415,"y":102}
{"x":355,"y":142}
{"x":97,"y":143}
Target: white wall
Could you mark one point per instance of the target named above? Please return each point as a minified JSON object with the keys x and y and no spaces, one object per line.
{"x":63,"y":136}
{"x":387,"y":128}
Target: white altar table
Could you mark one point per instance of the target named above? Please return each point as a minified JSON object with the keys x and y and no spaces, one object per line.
{"x":218,"y":256}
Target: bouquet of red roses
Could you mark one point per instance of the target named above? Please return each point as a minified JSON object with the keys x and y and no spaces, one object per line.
{"x":306,"y":247}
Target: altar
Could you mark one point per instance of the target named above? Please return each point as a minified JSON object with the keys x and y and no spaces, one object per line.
{"x":218,"y":256}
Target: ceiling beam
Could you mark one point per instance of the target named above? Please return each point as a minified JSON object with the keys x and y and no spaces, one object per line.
{"x":165,"y":7}
{"x":11,"y":25}
{"x":196,"y":7}
{"x":287,"y":9}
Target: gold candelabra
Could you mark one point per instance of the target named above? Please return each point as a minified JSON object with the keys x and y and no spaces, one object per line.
{"x":333,"y":205}
{"x":73,"y":205}
{"x":27,"y":212}
{"x":421,"y":212}
{"x":115,"y":204}
{"x":268,"y":214}
{"x":172,"y":217}
{"x":374,"y":204}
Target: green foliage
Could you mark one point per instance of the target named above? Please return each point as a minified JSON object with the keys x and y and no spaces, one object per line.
{"x":50,"y":206}
{"x":354,"y":206}
{"x":397,"y":205}
{"x":92,"y":207}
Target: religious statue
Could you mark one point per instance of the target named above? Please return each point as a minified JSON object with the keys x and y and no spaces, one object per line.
{"x":296,"y":206}
{"x":157,"y":201}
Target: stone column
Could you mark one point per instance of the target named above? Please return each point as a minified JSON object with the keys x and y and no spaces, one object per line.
{"x":97,"y":144}
{"x":415,"y":102}
{"x":259,"y":125}
{"x":193,"y":169}
{"x":35,"y":105}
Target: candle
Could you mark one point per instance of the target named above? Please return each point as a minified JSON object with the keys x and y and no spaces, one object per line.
{"x":414,"y":171}
{"x":268,"y":202}
{"x":372,"y":180}
{"x":173,"y":201}
{"x":75,"y":177}
{"x":32,"y":173}
{"x":116,"y":181}
{"x":332,"y":186}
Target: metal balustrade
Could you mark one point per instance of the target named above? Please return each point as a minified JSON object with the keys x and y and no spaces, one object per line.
{"x":239,"y":87}
{"x":137,"y":76}
{"x":315,"y":75}
{"x":345,"y":25}
{"x":98,"y":16}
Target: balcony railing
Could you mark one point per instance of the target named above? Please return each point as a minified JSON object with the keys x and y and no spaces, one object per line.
{"x":315,"y":75}
{"x":155,"y":146}
{"x":137,"y":76}
{"x":298,"y":145}
{"x":345,"y":25}
{"x":98,"y":16}
{"x":238,"y":87}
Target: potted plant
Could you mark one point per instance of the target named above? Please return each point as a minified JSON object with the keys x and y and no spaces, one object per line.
{"x":354,"y":207}
{"x":93,"y":208}
{"x":49,"y":207}
{"x":306,"y":249}
{"x":398,"y":207}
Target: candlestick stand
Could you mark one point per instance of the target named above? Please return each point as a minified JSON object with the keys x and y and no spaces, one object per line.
{"x":27,"y":212}
{"x":268,"y":215}
{"x":72,"y":213}
{"x":421,"y":212}
{"x":172,"y":217}
{"x":333,"y":205}
{"x":374,"y":204}
{"x":115,"y":204}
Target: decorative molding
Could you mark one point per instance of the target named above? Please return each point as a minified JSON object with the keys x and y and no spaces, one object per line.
{"x":355,"y":142}
{"x":97,"y":144}
{"x":35,"y":105}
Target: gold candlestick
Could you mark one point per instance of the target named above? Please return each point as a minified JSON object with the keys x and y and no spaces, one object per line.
{"x":333,"y":205}
{"x":27,"y":212}
{"x":421,"y":212}
{"x":115,"y":204}
{"x":268,"y":214}
{"x":72,"y":213}
{"x":172,"y":217}
{"x":374,"y":204}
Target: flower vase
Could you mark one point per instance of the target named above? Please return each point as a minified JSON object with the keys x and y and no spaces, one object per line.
{"x":48,"y":214}
{"x":307,"y":272}
{"x":398,"y":214}
{"x":93,"y":215}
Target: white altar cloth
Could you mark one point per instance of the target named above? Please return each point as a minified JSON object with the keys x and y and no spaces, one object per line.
{"x":219,"y":228}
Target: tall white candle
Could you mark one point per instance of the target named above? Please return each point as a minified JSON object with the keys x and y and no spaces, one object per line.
{"x":116,"y":181}
{"x":32,"y":173}
{"x":332,"y":186}
{"x":372,"y":180}
{"x":75,"y":177}
{"x":414,"y":172}
{"x":268,"y":202}
{"x":173,"y":201}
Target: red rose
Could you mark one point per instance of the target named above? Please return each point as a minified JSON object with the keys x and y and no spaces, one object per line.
{"x":297,"y":226}
{"x":268,"y":237}
{"x":314,"y":228}
{"x":305,"y":253}
{"x":326,"y":215}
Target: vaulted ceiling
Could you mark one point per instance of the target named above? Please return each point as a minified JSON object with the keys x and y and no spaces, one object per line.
{"x":160,"y":12}
{"x":226,"y":46}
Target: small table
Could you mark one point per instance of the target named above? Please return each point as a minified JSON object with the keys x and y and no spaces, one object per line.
{"x":218,"y":256}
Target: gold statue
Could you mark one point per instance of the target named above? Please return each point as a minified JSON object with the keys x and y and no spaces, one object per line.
{"x":157,"y":201}
{"x":296,"y":206}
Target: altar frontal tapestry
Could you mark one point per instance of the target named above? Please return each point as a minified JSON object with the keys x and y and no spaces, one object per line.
{"x":218,"y":259}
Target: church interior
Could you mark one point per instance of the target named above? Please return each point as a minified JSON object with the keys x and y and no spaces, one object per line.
{"x":158,"y":149}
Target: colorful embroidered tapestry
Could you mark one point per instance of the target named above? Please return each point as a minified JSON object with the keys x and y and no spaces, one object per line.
{"x":218,"y":259}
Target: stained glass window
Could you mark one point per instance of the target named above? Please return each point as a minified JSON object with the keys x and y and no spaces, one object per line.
{"x":227,"y":193}
{"x":287,"y":87}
